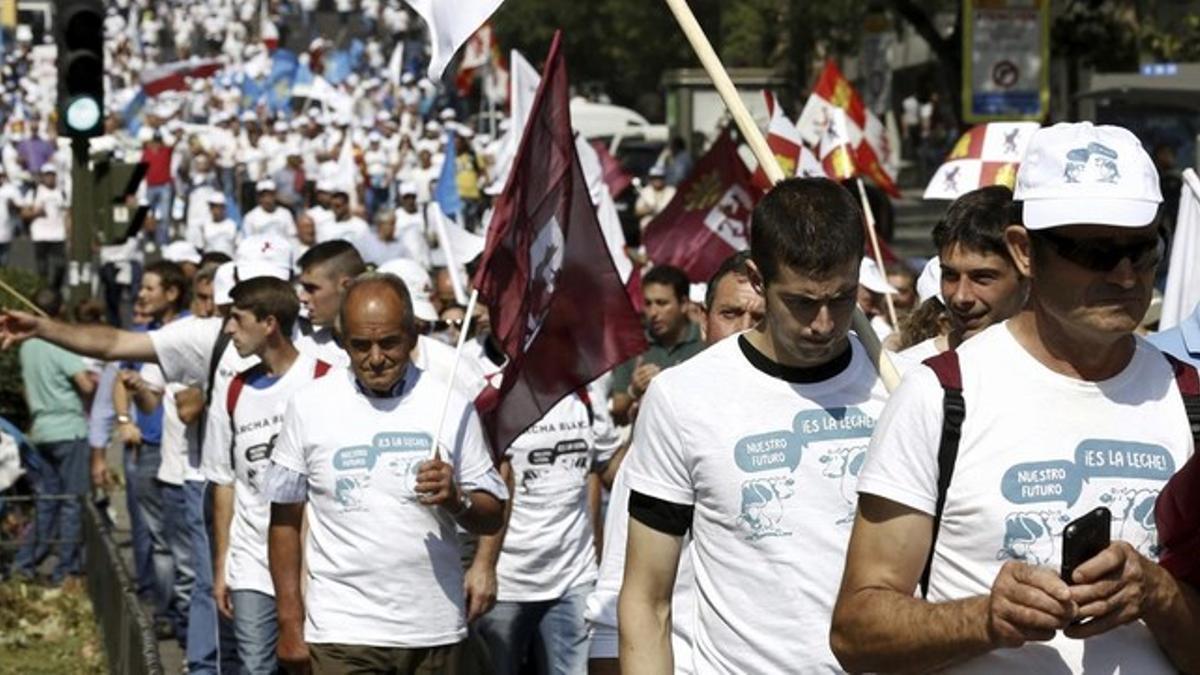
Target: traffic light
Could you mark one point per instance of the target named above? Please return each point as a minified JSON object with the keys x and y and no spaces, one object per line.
{"x":79,"y":27}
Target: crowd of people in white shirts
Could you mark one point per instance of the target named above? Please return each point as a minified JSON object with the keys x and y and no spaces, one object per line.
{"x":774,"y":509}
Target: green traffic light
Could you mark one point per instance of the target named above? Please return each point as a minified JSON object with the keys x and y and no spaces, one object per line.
{"x":82,"y":114}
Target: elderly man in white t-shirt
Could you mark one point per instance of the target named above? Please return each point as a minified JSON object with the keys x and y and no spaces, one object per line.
{"x":1058,"y":411}
{"x":384,"y":482}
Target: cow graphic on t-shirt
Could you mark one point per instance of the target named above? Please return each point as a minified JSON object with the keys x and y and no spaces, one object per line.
{"x":762,"y":507}
{"x":1032,"y":536}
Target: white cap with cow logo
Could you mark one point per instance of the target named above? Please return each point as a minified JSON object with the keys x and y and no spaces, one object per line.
{"x":1081,"y":174}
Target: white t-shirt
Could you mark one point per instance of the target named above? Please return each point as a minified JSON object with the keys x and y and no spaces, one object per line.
{"x":52,"y":225}
{"x":549,"y":547}
{"x":383,"y":569}
{"x":320,"y":344}
{"x":258,"y":417}
{"x":218,"y":237}
{"x":907,"y":359}
{"x":770,"y":468}
{"x":350,"y":229}
{"x":279,"y":222}
{"x":1023,"y":474}
{"x":601,"y":610}
{"x":184,"y":348}
{"x":10,"y":193}
{"x":178,"y":439}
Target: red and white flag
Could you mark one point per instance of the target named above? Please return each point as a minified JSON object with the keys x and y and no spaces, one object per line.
{"x":557,"y":306}
{"x":784,"y":141}
{"x":708,"y":220}
{"x":451,"y":23}
{"x":988,"y":154}
{"x":174,"y":76}
{"x":872,"y":147}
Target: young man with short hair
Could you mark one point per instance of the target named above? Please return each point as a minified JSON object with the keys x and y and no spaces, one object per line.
{"x":733,"y":306}
{"x":753,"y":447}
{"x":244,"y":427}
{"x":673,"y":338}
{"x":985,"y":455}
{"x":979,"y":281}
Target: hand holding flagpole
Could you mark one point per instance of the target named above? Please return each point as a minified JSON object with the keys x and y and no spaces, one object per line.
{"x":766,"y":160}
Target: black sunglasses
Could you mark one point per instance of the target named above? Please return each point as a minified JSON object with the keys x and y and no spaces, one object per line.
{"x":1103,"y":255}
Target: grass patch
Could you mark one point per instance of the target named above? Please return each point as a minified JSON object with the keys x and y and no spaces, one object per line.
{"x":48,"y":630}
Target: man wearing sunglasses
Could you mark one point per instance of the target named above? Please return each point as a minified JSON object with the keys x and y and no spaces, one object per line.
{"x":1066,"y":410}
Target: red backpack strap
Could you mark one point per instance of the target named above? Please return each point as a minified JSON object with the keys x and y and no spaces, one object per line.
{"x":320,"y":369}
{"x":584,"y":396}
{"x":236,"y":385}
{"x":954,"y":409}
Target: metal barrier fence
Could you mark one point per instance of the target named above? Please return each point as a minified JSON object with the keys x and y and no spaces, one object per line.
{"x":128,"y":635}
{"x":130,"y":645}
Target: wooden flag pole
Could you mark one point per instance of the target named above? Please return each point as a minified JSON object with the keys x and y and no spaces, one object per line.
{"x":878,"y":254}
{"x":766,"y":160}
{"x":462,"y":339}
{"x":22,"y":299}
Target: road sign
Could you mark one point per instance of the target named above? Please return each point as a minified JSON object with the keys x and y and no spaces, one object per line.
{"x":1006,"y":60}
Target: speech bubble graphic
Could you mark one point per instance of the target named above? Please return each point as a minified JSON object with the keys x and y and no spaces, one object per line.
{"x":1104,"y":458}
{"x":764,"y":452}
{"x":833,"y":424}
{"x":1032,"y":482}
{"x":354,"y":457}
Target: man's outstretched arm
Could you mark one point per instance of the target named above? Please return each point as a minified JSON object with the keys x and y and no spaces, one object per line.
{"x":97,"y":341}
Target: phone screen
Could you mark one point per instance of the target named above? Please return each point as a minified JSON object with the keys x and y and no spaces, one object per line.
{"x":1084,"y":538}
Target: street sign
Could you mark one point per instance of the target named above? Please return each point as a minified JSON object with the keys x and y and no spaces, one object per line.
{"x":1006,"y":60}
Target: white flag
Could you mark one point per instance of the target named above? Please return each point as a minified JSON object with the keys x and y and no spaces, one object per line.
{"x":524,"y":80}
{"x":1182,"y":292}
{"x":451,"y":23}
{"x":458,"y":246}
{"x":348,"y":170}
{"x":396,"y":63}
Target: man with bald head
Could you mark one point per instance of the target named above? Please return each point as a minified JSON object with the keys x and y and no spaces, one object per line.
{"x":385,"y":582}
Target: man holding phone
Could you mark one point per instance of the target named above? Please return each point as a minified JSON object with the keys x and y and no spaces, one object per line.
{"x":1064,"y":410}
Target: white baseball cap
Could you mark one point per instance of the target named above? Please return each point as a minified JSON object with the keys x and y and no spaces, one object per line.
{"x":216,"y":199}
{"x":1077,"y":173}
{"x":408,"y":188}
{"x":264,"y":255}
{"x":223,"y":282}
{"x":872,"y":278}
{"x":929,"y":284}
{"x":265,"y":185}
{"x":181,"y":252}
{"x":419,"y":283}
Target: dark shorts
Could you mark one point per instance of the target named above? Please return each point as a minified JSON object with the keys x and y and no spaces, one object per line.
{"x":335,"y":659}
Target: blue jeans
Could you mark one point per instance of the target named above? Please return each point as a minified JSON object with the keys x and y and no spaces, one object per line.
{"x":257,"y":629}
{"x":149,"y":496}
{"x":209,"y":636}
{"x":179,"y":540}
{"x":59,"y":468}
{"x":511,"y":626}
{"x":143,"y":551}
{"x":159,"y":198}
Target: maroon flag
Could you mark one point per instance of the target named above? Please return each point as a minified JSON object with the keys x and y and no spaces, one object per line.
{"x":558,"y":307}
{"x":614,"y":174}
{"x":709,"y":218}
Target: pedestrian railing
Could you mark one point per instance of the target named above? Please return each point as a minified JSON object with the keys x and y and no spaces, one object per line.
{"x":128,"y":635}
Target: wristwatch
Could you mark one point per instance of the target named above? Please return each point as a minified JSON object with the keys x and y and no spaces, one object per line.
{"x":124,"y":419}
{"x":464,"y":504}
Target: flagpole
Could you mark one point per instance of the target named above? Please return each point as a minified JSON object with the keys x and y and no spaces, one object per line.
{"x":462,"y":339}
{"x":21,"y":298}
{"x":766,"y":160}
{"x":870,"y":216}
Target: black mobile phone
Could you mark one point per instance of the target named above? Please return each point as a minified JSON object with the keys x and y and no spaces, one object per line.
{"x":1084,"y":538}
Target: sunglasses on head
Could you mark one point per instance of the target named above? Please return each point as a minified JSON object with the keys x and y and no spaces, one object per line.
{"x":1103,"y":255}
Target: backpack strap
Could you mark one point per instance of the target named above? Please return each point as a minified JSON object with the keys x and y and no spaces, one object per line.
{"x":1188,"y":381}
{"x":584,"y":396}
{"x":954,"y":409}
{"x":236,"y":385}
{"x":223,"y":340}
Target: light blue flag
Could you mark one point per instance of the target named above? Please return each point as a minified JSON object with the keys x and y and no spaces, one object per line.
{"x":447,"y":195}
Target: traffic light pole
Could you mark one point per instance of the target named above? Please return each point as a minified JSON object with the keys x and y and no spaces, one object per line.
{"x":82,"y":234}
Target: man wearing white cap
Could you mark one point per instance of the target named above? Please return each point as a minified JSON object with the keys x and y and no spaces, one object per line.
{"x":219,"y":233}
{"x":45,"y":211}
{"x":1066,"y":410}
{"x":268,"y":216}
{"x":654,"y":197}
{"x":411,"y":227}
{"x":872,"y":286}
